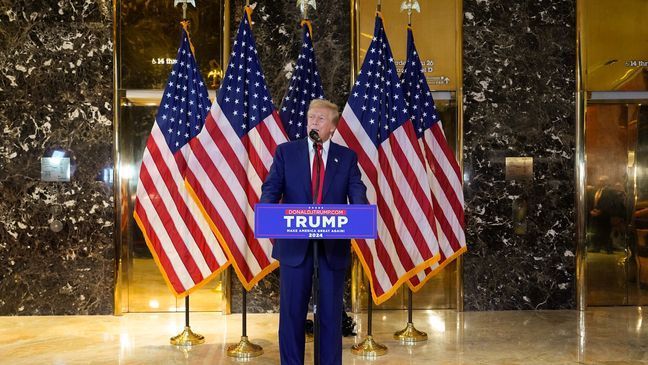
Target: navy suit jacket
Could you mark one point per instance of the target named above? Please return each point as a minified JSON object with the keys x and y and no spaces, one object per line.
{"x":289,"y":181}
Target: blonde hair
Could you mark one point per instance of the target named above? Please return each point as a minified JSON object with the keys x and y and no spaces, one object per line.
{"x":323,"y":103}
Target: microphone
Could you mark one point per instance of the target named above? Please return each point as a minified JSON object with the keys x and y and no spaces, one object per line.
{"x":314,"y":135}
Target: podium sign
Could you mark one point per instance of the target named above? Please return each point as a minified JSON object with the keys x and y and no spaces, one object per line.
{"x":308,"y":221}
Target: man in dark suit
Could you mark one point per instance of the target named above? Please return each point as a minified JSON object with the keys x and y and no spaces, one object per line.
{"x":605,"y":207}
{"x":292,"y":180}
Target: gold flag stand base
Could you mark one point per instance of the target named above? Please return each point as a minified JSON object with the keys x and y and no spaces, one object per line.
{"x":369,"y":348}
{"x":244,"y":349}
{"x":187,"y":338}
{"x":410,"y":334}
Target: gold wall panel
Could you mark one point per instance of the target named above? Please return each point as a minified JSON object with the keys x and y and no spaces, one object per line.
{"x":437,"y":32}
{"x":150,"y":35}
{"x":614,"y":44}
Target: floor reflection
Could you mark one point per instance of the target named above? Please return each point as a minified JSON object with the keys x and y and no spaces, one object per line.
{"x":612,"y":279}
{"x":598,"y":336}
{"x":147,"y":292}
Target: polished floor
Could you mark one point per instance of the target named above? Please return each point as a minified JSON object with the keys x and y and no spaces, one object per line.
{"x":616,"y":279}
{"x":610,"y":336}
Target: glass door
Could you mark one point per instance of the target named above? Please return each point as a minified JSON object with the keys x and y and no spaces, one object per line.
{"x":616,"y":144}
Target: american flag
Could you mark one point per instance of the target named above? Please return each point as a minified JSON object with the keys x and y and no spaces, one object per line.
{"x":443,"y":170}
{"x":231,"y":157}
{"x":305,"y":85}
{"x":184,"y":248}
{"x":375,"y":124}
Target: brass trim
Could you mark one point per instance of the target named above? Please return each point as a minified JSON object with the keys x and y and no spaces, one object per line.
{"x":187,"y":338}
{"x":581,"y":178}
{"x":356,"y":281}
{"x":410,"y":335}
{"x":369,"y":348}
{"x":226,"y":34}
{"x":356,"y":268}
{"x":355,"y":41}
{"x":117,"y":291}
{"x":580,"y":170}
{"x":150,"y":97}
{"x":459,"y":138}
{"x":581,"y":52}
{"x":244,"y":349}
{"x":226,"y":275}
{"x":226,"y":293}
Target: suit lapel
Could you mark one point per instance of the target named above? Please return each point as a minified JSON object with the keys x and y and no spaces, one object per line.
{"x":332,"y":162}
{"x":305,"y":162}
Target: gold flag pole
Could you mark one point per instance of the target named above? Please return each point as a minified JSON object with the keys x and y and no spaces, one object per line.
{"x":244,"y":349}
{"x":369,"y":348}
{"x":187,"y":337}
{"x":410,"y":334}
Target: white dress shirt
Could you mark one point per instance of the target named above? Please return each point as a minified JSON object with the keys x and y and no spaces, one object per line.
{"x":312,"y":152}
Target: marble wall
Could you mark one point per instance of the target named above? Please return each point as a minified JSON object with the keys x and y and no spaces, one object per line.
{"x":278,"y":36}
{"x":519,"y":85}
{"x":56,"y":93}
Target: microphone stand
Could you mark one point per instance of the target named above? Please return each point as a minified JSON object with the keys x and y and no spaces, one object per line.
{"x":316,"y":322}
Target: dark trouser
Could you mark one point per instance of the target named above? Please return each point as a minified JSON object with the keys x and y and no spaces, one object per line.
{"x":295,"y":292}
{"x":602,"y":232}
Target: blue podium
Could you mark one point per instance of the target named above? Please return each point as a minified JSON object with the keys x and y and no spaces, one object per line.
{"x":315,"y":222}
{"x":308,"y":221}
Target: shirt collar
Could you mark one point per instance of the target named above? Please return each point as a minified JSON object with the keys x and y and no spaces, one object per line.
{"x":325,"y":145}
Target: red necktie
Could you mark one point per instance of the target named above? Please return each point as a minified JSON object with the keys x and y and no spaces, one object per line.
{"x":318,"y":156}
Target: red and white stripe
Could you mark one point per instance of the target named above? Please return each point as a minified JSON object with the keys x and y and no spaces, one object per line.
{"x":396,"y":180}
{"x":226,"y":173}
{"x":185,"y":249}
{"x":445,"y":178}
